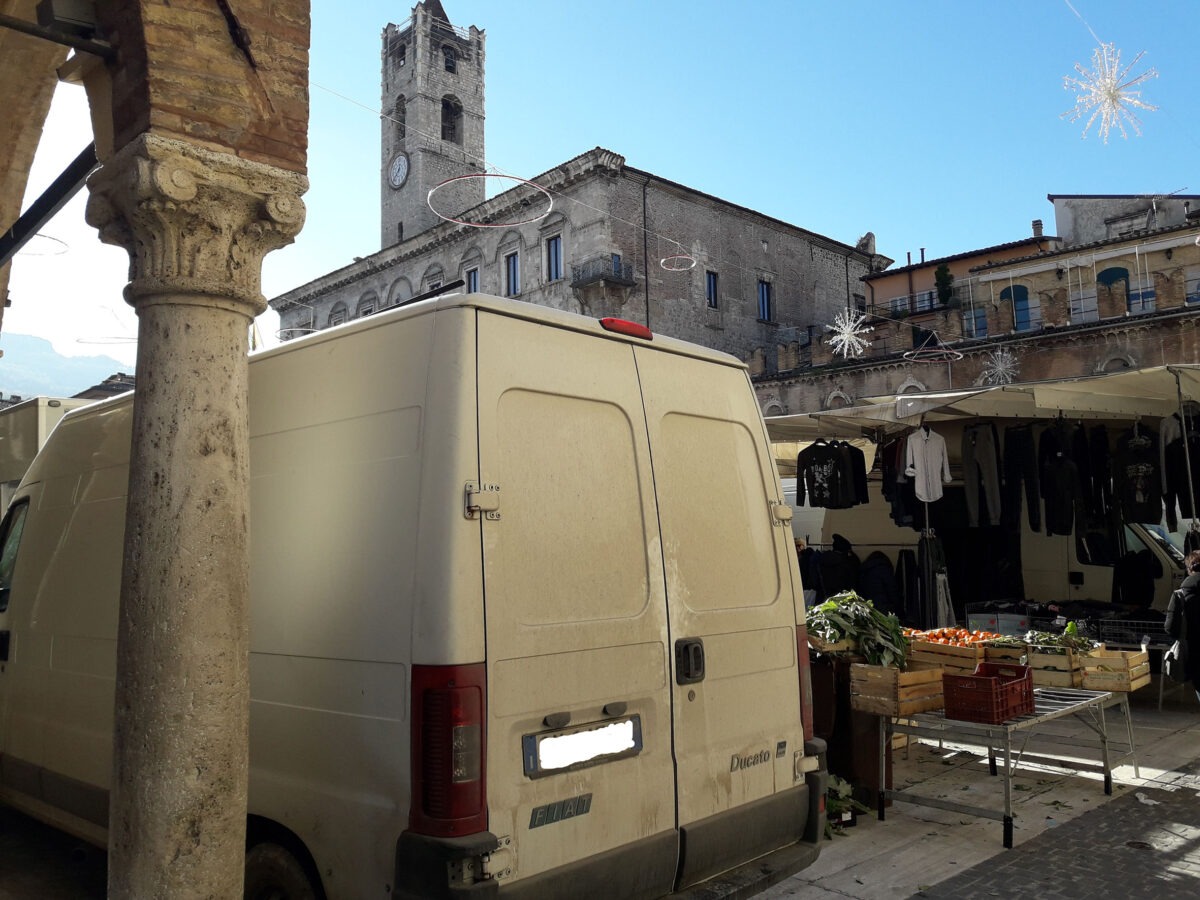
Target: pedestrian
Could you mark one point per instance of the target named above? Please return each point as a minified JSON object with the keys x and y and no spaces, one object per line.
{"x":1184,"y":612}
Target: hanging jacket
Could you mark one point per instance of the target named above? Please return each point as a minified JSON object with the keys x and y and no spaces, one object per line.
{"x":1137,"y":479}
{"x":877,"y":582}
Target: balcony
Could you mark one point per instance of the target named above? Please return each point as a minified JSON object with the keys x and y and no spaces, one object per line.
{"x":921,"y":301}
{"x":602,"y":269}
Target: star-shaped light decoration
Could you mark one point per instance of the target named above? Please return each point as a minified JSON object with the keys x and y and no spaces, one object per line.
{"x":1105,"y":92}
{"x":1000,"y":367}
{"x":848,"y":326}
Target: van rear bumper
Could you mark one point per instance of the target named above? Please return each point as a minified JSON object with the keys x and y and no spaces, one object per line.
{"x":448,"y":868}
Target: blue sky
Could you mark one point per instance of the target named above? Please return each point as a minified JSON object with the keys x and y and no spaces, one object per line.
{"x":932,"y":123}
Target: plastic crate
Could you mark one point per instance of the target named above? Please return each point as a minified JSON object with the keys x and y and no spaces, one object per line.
{"x":995,"y":693}
{"x":1130,"y":632}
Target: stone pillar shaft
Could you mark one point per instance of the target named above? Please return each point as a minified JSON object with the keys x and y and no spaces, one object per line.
{"x":197,"y":225}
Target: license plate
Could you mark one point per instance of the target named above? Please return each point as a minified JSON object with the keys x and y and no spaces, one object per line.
{"x":588,"y":745}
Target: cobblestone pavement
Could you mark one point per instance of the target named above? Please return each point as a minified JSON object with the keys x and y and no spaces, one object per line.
{"x":1144,"y":844}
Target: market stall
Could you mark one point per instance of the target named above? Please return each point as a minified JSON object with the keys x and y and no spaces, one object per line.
{"x":1081,"y":489}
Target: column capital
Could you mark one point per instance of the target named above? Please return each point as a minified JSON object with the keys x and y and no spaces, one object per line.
{"x":197,"y":223}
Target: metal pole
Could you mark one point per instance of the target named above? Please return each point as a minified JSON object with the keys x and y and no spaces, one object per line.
{"x":1187,"y":455}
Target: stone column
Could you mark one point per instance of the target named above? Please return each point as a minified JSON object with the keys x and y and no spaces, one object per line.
{"x":197,"y":224}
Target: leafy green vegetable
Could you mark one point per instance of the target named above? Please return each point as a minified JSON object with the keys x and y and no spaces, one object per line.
{"x":847,"y":616}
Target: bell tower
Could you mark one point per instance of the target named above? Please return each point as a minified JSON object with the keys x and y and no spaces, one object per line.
{"x":432,"y":122}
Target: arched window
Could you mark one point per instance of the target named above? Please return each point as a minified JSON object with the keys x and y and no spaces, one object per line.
{"x":452,"y":120}
{"x":337,"y":315}
{"x":451,"y":57}
{"x":400,"y":291}
{"x":399,"y":118}
{"x":367,"y":304}
{"x":1027,"y":314}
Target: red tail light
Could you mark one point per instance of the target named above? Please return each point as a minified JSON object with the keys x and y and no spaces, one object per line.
{"x":449,"y":784}
{"x":624,"y":326}
{"x":806,"y":698}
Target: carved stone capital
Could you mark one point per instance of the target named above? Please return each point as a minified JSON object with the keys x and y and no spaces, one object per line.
{"x":196,"y":223}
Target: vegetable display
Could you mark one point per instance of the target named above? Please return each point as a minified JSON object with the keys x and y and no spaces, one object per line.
{"x":848,"y":617}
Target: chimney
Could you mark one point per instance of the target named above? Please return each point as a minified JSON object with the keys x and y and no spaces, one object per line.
{"x":1037,"y":228}
{"x":922,"y":254}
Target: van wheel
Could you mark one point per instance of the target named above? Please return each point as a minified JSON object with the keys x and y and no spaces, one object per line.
{"x":272,"y":873}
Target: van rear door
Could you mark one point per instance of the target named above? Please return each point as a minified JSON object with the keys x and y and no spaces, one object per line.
{"x":579,"y":756}
{"x":727,"y":555}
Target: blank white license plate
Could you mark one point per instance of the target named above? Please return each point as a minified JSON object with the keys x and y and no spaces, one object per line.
{"x":589,"y":745}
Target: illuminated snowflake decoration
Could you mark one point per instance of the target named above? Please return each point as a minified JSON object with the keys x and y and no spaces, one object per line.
{"x":848,"y":328}
{"x":1001,"y":367}
{"x":1106,"y":92}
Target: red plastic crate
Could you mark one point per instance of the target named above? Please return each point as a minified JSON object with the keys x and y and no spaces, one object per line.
{"x":995,"y":693}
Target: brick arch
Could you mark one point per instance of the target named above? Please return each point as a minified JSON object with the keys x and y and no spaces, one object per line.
{"x":1115,"y":362}
{"x":837,"y":399}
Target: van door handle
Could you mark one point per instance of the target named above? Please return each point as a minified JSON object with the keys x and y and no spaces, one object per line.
{"x":4,"y":641}
{"x":689,"y":660}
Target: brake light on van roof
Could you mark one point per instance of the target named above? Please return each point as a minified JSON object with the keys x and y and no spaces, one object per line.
{"x":625,"y":327}
{"x":448,"y":750}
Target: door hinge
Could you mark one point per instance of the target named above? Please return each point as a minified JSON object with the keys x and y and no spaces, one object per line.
{"x":482,"y":499}
{"x":781,"y":513}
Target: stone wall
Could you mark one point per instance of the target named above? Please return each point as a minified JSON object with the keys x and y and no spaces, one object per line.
{"x":603,"y":208}
{"x":1067,"y":345}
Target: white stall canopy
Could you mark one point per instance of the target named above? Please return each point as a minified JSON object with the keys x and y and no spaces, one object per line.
{"x":1131,"y":394}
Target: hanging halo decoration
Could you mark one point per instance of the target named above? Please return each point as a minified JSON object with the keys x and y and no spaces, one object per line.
{"x":536,"y":217}
{"x":680,"y":262}
{"x":45,"y":245}
{"x":1000,"y":366}
{"x":848,"y":329}
{"x":933,"y":355}
{"x":932,"y":350}
{"x":1106,"y":92}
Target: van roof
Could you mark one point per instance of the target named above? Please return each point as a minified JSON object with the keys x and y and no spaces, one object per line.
{"x":507,"y":307}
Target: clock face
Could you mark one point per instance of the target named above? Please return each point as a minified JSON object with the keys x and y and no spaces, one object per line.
{"x":398,"y":170}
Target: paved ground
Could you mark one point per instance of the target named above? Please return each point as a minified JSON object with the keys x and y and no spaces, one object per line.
{"x":1071,"y":842}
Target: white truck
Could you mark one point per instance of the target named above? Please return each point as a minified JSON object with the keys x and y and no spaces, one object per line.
{"x":24,"y":428}
{"x":526,"y":617}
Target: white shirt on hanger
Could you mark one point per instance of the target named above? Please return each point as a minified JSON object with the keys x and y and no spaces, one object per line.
{"x":927,"y":464}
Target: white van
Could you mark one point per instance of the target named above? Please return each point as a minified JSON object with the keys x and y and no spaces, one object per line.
{"x":525,"y":615}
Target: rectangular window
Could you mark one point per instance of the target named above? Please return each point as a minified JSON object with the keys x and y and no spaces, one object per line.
{"x":337,"y":317}
{"x":1027,"y":315}
{"x":975,"y":322}
{"x":1141,"y":300}
{"x":8,"y":554}
{"x":366,"y":309}
{"x":765,"y":311}
{"x":1084,"y":307}
{"x":1191,"y":284}
{"x":554,"y":267}
{"x":710,"y":289}
{"x":434,"y":285}
{"x":616,"y":261}
{"x":472,"y":280}
{"x":512,"y":275}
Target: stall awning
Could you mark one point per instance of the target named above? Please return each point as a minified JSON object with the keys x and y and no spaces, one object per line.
{"x":1152,"y":392}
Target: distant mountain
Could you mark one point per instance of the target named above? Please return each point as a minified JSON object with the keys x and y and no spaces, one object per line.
{"x":30,"y":368}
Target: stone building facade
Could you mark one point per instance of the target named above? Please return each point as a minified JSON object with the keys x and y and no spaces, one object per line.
{"x":1070,"y":305}
{"x":592,"y":235}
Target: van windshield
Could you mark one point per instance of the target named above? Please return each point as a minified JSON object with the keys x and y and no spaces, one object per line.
{"x":1166,"y":540}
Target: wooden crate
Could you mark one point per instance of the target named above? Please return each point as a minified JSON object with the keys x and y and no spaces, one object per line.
{"x":1054,"y":668}
{"x":955,"y":660}
{"x":888,"y":691}
{"x":1116,"y":670}
{"x":1005,"y":654}
{"x":823,"y":646}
